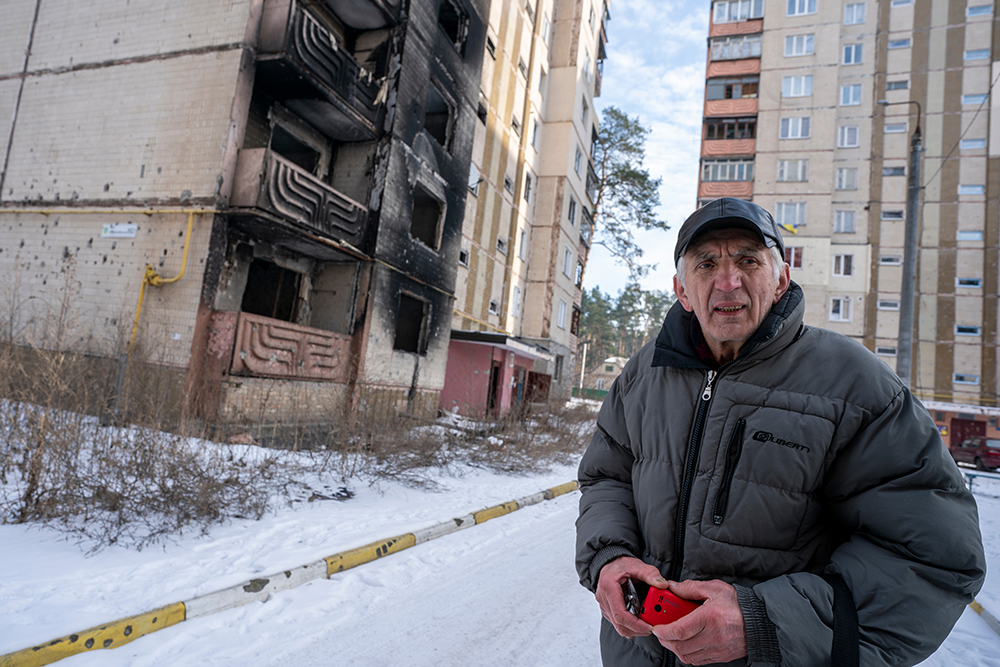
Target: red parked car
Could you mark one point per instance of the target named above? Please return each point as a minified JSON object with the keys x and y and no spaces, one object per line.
{"x":980,"y":451}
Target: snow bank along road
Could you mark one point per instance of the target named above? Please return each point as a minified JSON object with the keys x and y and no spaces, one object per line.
{"x":123,"y":631}
{"x":503,"y":594}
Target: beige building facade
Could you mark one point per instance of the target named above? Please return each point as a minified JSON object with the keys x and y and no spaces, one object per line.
{"x":528,"y":219}
{"x":794,"y":120}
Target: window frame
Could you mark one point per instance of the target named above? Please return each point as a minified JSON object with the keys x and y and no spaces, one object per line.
{"x":787,"y":123}
{"x":800,"y":167}
{"x":840,"y":224}
{"x":856,"y":56}
{"x":798,"y":49}
{"x":844,"y":303}
{"x":846,"y":179}
{"x":850,"y":95}
{"x":802,"y":82}
{"x":793,"y":256}
{"x":800,"y":7}
{"x":844,"y":133}
{"x":843,"y":265}
{"x":855,"y":20}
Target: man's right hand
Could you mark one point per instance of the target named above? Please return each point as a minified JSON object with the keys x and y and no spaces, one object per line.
{"x":612,"y":600}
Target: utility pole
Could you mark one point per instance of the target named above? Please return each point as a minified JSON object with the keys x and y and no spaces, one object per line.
{"x":583,"y":366}
{"x":904,"y":344}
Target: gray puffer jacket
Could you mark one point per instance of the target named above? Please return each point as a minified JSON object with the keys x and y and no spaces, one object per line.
{"x":802,"y":456}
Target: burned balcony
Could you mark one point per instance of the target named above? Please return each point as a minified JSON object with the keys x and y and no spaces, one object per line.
{"x":267,"y":347}
{"x":275,"y":185}
{"x":309,"y":69}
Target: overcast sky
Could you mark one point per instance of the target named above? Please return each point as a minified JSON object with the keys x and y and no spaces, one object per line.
{"x":656,"y":70}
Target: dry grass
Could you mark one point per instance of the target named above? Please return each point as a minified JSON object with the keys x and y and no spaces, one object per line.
{"x":85,"y":448}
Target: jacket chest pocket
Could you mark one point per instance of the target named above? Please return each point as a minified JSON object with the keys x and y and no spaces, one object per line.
{"x":766,"y":468}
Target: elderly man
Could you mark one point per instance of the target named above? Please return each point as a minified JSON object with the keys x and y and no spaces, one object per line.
{"x":780,"y":474}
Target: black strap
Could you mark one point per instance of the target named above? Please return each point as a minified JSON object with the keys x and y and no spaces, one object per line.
{"x":845,"y":624}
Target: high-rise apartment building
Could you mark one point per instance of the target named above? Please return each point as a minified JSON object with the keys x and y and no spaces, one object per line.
{"x":810,"y":107}
{"x":528,"y":219}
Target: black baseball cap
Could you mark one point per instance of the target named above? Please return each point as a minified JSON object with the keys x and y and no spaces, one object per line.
{"x":727,"y":213}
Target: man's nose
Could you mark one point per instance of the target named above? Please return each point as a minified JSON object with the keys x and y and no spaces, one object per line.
{"x":728,"y":279}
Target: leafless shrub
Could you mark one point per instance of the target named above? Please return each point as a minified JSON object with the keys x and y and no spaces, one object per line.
{"x":132,"y":482}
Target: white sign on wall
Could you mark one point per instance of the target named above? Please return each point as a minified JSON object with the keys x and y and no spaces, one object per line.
{"x":119,"y":230}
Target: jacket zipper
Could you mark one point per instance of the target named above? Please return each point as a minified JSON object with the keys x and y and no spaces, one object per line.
{"x":733,"y":453}
{"x":687,"y":483}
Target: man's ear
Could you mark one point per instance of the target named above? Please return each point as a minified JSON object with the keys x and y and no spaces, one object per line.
{"x":681,"y":295}
{"x":784,"y":278}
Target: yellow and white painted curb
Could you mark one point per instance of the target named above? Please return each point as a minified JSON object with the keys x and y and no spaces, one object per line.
{"x":990,"y":619}
{"x":120,"y":632}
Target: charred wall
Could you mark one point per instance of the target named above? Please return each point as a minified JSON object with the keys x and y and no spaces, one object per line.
{"x":420,"y":199}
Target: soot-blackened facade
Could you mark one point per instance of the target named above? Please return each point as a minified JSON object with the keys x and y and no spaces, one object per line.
{"x":331,"y":275}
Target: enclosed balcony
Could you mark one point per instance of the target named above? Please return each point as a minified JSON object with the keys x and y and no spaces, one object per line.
{"x":593,"y":182}
{"x":310,"y":70}
{"x":276,"y":186}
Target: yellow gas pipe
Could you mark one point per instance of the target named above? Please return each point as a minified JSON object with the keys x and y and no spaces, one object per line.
{"x":151,"y":277}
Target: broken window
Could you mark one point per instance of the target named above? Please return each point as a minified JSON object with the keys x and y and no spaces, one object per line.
{"x":334,"y":291}
{"x":298,"y":142}
{"x":437,"y":116}
{"x":271,"y":291}
{"x":425,"y":223}
{"x":454,"y":22}
{"x":288,"y":146}
{"x":411,"y":325}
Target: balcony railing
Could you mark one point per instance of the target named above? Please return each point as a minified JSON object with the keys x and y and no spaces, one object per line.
{"x":269,"y":182}
{"x":275,"y":348}
{"x":297,"y":53}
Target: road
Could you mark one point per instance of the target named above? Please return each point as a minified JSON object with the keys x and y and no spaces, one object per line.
{"x":501,"y":594}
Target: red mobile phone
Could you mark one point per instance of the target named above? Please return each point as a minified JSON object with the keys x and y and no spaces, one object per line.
{"x":658,"y":606}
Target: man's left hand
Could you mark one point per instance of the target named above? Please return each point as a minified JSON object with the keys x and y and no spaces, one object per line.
{"x":712,"y":633}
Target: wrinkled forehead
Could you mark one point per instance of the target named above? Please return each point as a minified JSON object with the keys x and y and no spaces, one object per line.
{"x":741,"y":240}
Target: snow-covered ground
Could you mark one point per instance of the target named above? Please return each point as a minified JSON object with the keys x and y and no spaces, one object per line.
{"x":501,"y":593}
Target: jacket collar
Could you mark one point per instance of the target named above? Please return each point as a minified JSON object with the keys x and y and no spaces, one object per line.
{"x":674,"y":346}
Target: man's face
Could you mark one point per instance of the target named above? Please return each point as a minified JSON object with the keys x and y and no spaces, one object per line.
{"x":730,"y":285}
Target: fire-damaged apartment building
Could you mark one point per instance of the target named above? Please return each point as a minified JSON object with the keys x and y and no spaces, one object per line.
{"x":266,"y":205}
{"x":271,"y":191}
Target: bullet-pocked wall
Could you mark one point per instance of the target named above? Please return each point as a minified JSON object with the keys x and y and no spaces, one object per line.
{"x":109,"y":109}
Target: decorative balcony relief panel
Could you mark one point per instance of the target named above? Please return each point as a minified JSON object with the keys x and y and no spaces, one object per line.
{"x":275,"y":348}
{"x":736,"y":28}
{"x":267,"y":181}
{"x":304,"y":66}
{"x":716,"y":189}
{"x":746,"y":106}
{"x":728,"y":147}
{"x":318,"y":49}
{"x":733,"y":67}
